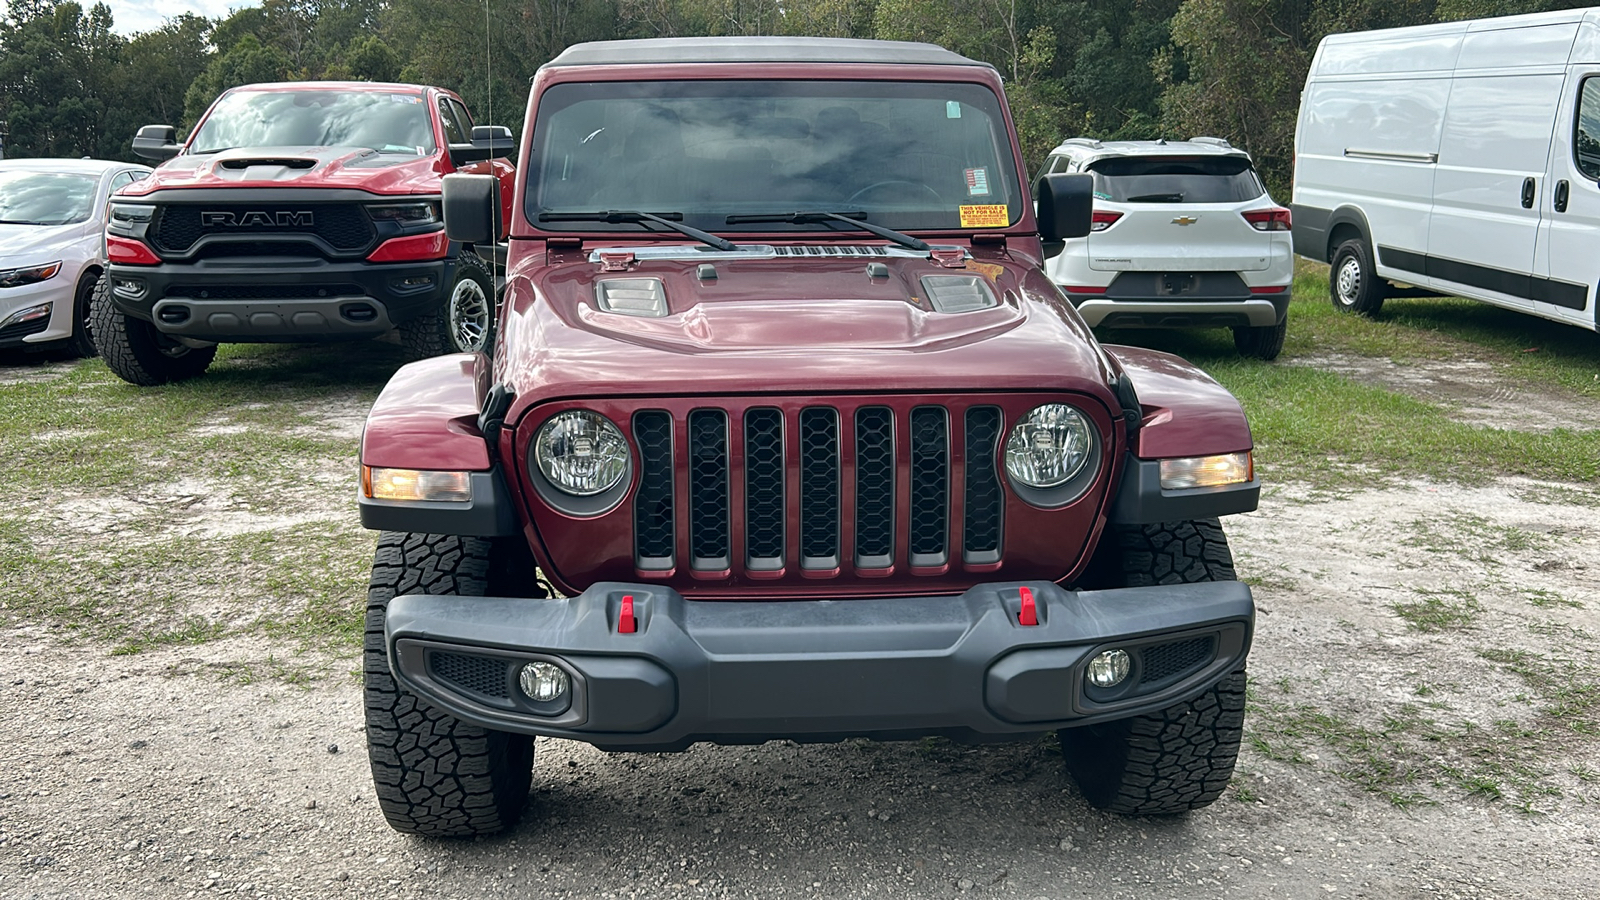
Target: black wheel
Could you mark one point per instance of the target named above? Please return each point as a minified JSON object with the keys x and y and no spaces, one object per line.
{"x":435,"y":775}
{"x":135,"y":350}
{"x":1182,"y":757}
{"x":464,"y":323}
{"x":1352,"y":281}
{"x":81,"y":344}
{"x":1264,"y":342}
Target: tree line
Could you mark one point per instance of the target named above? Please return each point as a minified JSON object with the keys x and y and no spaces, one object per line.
{"x":70,"y":86}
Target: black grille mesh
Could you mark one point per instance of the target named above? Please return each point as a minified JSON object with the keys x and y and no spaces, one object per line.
{"x":930,"y":482}
{"x":481,"y":674}
{"x":344,"y":226}
{"x":982,"y":507}
{"x":1166,"y":660}
{"x":763,"y":473}
{"x":652,"y":506}
{"x":819,"y":483}
{"x":874,"y":483}
{"x":708,"y":487}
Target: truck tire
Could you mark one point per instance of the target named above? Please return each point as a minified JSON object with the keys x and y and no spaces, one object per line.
{"x":1182,"y":757}
{"x":135,"y":350}
{"x":464,"y":323}
{"x":1353,"y":282}
{"x":1263,"y":343}
{"x":435,"y":774}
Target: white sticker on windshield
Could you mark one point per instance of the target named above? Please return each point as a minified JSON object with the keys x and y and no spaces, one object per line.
{"x":952,"y":109}
{"x":977,"y":182}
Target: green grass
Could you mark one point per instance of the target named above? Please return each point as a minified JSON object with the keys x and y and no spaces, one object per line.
{"x":1324,"y":428}
{"x":1445,"y":609}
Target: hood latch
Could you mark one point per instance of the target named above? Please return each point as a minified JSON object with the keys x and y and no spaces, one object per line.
{"x":949,"y":257}
{"x":616,"y":261}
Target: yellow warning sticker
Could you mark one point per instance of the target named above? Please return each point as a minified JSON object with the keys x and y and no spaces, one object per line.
{"x":985,"y":217}
{"x":990,"y":271}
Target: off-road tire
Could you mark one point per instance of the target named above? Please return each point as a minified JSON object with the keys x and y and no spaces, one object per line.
{"x":81,"y":344}
{"x":1163,"y":763}
{"x":1353,"y":283}
{"x":464,"y":319}
{"x":1180,"y":758}
{"x":1264,"y":342}
{"x":135,"y":350}
{"x":435,"y":775}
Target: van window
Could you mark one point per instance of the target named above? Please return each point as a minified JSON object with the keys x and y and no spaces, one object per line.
{"x":1586,"y":139}
{"x":1176,"y":179}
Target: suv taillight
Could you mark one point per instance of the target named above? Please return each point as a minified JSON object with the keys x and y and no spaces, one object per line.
{"x":1268,"y":219}
{"x":1103,"y":219}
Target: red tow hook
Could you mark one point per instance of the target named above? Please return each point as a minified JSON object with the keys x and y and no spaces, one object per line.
{"x":1030,"y":611}
{"x":626,"y":624}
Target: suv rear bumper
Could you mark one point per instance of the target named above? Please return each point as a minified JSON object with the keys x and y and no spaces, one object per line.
{"x":1256,"y":311}
{"x":741,"y":672}
{"x":291,"y":299}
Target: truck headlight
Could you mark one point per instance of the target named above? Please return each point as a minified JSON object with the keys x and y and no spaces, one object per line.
{"x":128,"y":213}
{"x":1049,"y":446}
{"x":581,"y":452}
{"x":404,"y":213}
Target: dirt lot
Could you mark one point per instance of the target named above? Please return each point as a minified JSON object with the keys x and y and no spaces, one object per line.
{"x":1423,"y":721}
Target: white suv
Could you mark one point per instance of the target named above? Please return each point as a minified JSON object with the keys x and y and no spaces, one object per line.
{"x":1185,"y":236}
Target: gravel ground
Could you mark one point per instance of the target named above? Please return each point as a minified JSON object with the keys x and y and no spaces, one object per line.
{"x":167,"y":774}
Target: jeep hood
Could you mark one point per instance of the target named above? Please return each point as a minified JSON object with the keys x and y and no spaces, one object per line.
{"x":805,"y":324}
{"x":358,"y":168}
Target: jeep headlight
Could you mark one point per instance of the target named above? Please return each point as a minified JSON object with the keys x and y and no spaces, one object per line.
{"x":581,"y":452}
{"x":1049,"y":446}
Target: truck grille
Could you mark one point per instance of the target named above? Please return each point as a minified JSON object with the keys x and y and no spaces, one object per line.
{"x":757,"y":474}
{"x":344,"y":227}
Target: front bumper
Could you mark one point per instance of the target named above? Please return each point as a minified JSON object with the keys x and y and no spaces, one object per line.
{"x":742,"y":672}
{"x":263,"y":299}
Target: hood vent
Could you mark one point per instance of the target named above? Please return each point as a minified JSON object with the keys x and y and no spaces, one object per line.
{"x":958,"y":293}
{"x":247,"y":163}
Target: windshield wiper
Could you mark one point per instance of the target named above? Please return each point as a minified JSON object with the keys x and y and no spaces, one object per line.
{"x":853,"y":217}
{"x":21,"y":222}
{"x":1156,"y":198}
{"x":671,"y":220}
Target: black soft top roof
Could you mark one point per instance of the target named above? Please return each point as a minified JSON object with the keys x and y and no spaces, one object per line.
{"x":758,"y":50}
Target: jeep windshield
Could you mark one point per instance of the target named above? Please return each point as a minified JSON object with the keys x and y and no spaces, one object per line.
{"x":731,"y":155}
{"x":386,"y":121}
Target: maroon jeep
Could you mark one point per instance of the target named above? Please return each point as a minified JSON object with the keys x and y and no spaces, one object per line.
{"x":788,"y":435}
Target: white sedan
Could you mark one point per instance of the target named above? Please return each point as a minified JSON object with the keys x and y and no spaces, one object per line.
{"x":52,"y":248}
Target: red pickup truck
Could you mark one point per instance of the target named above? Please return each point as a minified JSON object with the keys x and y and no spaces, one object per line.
{"x":299,"y":211}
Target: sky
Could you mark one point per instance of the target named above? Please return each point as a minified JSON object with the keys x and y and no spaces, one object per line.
{"x":129,"y":16}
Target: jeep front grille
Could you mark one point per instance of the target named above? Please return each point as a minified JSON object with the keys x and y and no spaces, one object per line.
{"x":344,"y":227}
{"x":755,"y":475}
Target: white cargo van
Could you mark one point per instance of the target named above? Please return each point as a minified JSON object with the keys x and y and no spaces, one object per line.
{"x":1460,"y":158}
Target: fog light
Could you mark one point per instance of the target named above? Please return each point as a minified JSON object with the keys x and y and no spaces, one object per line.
{"x":128,"y":287}
{"x":543,"y":682}
{"x":31,"y":314}
{"x":1107,"y":669}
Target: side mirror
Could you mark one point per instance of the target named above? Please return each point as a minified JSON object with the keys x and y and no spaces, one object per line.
{"x":1066,"y":206}
{"x":471,"y":208}
{"x":488,"y":142}
{"x":157,"y":142}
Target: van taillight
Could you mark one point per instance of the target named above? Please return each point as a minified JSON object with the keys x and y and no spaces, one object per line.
{"x":1103,"y":219}
{"x":1268,"y":219}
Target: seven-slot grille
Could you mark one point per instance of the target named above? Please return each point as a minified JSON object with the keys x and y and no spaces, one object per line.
{"x":832,"y":472}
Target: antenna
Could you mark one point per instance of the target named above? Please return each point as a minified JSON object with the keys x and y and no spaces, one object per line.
{"x":488,"y":63}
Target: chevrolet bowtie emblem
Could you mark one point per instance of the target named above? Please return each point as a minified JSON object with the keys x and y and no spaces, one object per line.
{"x":1185,"y":220}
